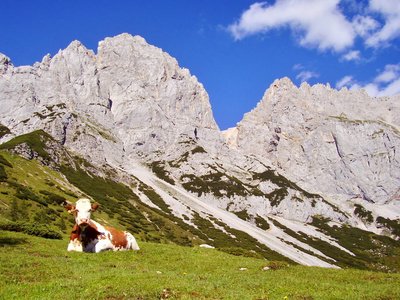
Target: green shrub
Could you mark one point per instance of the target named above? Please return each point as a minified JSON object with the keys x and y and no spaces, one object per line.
{"x":195,"y":184}
{"x":18,"y":210}
{"x":41,"y":217}
{"x":3,"y":174}
{"x":242,"y":214}
{"x":40,"y":230}
{"x":53,"y":198}
{"x":50,"y":183}
{"x":282,"y":182}
{"x":155,"y":198}
{"x":214,"y":183}
{"x":362,"y":213}
{"x":240,"y":252}
{"x":261,"y":223}
{"x":231,"y":185}
{"x":392,"y":225}
{"x":277,"y":196}
{"x":177,"y":164}
{"x":5,"y":162}
{"x":159,"y":169}
{"x":198,"y":149}
{"x":25,"y":193}
{"x":4,"y":130}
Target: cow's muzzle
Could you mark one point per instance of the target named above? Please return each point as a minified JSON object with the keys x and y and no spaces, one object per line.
{"x":83,"y":223}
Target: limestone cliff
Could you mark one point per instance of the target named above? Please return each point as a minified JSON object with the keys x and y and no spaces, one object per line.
{"x":129,"y":99}
{"x":341,"y":144}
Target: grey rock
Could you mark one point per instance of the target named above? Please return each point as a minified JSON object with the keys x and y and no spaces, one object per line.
{"x":339,"y":144}
{"x":131,"y":99}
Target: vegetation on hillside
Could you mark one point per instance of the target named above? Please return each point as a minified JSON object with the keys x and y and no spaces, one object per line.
{"x":32,"y":193}
{"x":3,"y":130}
{"x":31,"y":228}
{"x":36,"y":141}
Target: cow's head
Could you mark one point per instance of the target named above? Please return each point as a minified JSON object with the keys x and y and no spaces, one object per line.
{"x":83,"y":210}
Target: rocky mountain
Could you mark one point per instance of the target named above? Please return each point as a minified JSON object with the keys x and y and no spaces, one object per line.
{"x":131,"y":95}
{"x":298,"y":174}
{"x":330,"y":142}
{"x":339,"y":144}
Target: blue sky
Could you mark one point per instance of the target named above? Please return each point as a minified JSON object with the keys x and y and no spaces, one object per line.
{"x":235,"y":48}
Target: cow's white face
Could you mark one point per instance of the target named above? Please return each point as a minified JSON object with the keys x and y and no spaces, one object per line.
{"x":83,"y":210}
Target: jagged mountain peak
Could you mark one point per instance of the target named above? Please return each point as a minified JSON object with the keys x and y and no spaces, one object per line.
{"x":326,"y":100}
{"x":4,"y":60}
{"x":75,"y":45}
{"x":129,"y":85}
{"x":5,"y":63}
{"x":128,"y":42}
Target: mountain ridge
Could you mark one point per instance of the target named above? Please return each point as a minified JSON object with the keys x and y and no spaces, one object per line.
{"x":317,"y":112}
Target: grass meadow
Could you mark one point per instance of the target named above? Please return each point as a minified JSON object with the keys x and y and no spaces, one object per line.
{"x":37,"y":268}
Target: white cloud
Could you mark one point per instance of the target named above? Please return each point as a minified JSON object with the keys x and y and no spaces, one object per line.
{"x":385,"y":83}
{"x":390,"y":73}
{"x":364,"y":25}
{"x":317,"y":23}
{"x":322,"y":24}
{"x":390,"y":9}
{"x":352,"y":55}
{"x":345,"y":81}
{"x":306,"y":75}
{"x":298,"y":67}
{"x":391,"y":89}
{"x":388,"y":81}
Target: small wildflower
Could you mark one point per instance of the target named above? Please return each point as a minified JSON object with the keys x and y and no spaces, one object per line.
{"x":165,"y":294}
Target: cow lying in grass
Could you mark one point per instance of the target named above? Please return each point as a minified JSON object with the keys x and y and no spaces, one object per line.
{"x":89,"y":236}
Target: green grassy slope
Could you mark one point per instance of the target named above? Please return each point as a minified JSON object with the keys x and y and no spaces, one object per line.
{"x":38,"y":268}
{"x":32,"y":191}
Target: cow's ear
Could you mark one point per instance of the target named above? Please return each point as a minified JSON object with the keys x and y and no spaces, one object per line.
{"x":70,"y":208}
{"x":95,"y":207}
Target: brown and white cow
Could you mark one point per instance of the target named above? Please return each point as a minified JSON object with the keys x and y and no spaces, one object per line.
{"x":89,"y":236}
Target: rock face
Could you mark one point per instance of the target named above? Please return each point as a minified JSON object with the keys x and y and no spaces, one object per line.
{"x":130,"y":99}
{"x":339,"y":144}
{"x":152,"y":99}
